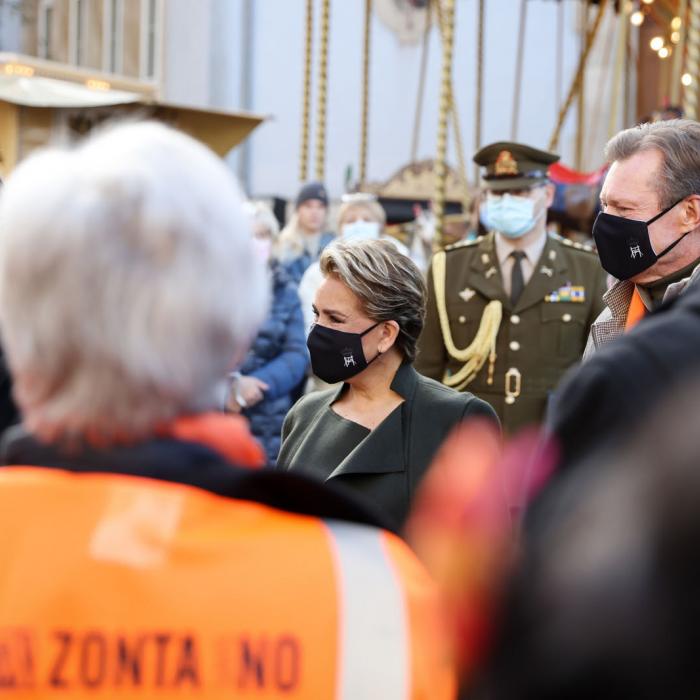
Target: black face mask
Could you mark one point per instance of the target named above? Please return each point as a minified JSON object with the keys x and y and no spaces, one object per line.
{"x":624,"y":246}
{"x":335,"y":355}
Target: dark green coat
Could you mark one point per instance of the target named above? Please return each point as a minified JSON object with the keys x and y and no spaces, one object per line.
{"x":387,"y":466}
{"x":539,"y":338}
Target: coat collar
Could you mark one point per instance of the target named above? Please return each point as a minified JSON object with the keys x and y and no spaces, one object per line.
{"x":383,"y":450}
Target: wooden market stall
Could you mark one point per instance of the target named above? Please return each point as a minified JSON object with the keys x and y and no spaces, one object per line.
{"x":42,"y":102}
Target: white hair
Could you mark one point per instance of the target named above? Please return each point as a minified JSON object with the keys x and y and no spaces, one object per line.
{"x":128,"y":283}
{"x":260,"y":213}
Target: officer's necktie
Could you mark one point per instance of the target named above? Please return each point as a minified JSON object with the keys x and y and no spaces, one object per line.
{"x":517,"y":282}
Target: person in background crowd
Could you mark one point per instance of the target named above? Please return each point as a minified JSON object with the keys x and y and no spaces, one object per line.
{"x":303,"y":239}
{"x":379,"y":431}
{"x":143,"y":554}
{"x":360,"y":217}
{"x":278,"y":360}
{"x":647,"y":233}
{"x":510,"y":312}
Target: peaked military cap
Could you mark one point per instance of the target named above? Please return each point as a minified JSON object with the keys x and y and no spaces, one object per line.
{"x":513,"y":166}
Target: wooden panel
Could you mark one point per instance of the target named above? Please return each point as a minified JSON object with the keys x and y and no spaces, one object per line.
{"x":9,"y":137}
{"x":35,"y":130}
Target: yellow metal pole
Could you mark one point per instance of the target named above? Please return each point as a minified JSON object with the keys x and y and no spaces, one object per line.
{"x":445,"y":107}
{"x":479,"y":84}
{"x":365,"y":92}
{"x":322,"y":92}
{"x":306,"y":104}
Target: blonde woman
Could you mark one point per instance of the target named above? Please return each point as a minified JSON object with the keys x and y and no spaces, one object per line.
{"x":303,"y":239}
{"x":360,"y":217}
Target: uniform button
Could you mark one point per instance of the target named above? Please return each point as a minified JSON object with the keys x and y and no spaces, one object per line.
{"x":566,"y":318}
{"x":515,"y":319}
{"x":462,"y":319}
{"x":514,"y":345}
{"x":510,"y":400}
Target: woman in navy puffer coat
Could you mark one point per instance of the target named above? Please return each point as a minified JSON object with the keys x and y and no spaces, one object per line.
{"x":278,"y":360}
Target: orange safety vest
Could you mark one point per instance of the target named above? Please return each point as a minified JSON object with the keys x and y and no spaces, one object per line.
{"x":121,"y":586}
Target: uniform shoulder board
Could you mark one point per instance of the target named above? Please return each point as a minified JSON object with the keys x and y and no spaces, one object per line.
{"x":572,"y":244}
{"x":463,"y":244}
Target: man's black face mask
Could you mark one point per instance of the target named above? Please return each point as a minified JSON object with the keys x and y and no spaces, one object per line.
{"x":624,"y":246}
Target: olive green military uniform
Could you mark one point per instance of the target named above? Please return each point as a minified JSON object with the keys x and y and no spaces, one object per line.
{"x":537,"y":339}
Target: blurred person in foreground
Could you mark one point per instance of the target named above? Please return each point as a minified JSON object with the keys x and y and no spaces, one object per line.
{"x":303,"y":239}
{"x":142,"y":553}
{"x":648,"y":231}
{"x":379,"y":431}
{"x":603,"y":602}
{"x":277,"y":361}
{"x":604,"y":400}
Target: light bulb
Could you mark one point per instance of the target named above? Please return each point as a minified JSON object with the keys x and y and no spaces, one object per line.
{"x":637,"y":18}
{"x":656,"y":43}
{"x":687,"y":79}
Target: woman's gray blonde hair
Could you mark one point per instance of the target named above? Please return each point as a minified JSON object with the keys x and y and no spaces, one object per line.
{"x":389,"y":285}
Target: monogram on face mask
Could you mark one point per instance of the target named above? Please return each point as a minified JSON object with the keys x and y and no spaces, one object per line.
{"x":336,"y":355}
{"x":624,"y":245}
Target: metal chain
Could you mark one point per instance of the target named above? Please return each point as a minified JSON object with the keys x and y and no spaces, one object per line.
{"x":365,"y":93}
{"x":447,"y":23}
{"x":690,"y":94}
{"x":306,"y":104}
{"x":456,"y":128}
{"x":322,"y":92}
{"x":578,"y":78}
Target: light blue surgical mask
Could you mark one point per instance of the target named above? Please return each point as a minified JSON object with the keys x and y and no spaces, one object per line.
{"x":360,"y":231}
{"x":509,"y":214}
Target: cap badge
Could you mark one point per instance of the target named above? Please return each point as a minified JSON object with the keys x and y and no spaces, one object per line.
{"x":506,"y":164}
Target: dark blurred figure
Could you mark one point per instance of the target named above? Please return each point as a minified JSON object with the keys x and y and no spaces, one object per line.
{"x":604,"y":601}
{"x":605,"y":399}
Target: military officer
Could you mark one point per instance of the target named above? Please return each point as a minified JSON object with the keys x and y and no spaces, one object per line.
{"x":510,"y":312}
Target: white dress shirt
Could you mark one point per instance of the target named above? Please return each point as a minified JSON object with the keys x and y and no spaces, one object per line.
{"x":532,"y":254}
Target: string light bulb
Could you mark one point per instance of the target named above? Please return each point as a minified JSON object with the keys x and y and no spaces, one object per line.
{"x":656,"y":43}
{"x":676,"y":23}
{"x":675,"y":37}
{"x":637,"y":18}
{"x":664,"y":52}
{"x":687,"y":79}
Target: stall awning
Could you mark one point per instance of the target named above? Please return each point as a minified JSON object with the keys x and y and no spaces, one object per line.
{"x":51,"y":93}
{"x":221,"y":130}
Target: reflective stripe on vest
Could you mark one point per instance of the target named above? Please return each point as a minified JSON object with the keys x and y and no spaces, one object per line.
{"x":373,"y":632}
